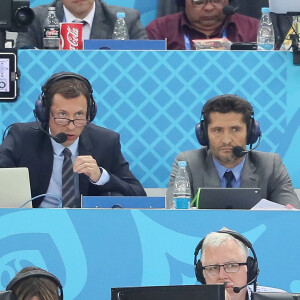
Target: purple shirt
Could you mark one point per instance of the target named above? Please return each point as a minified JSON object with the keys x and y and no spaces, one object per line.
{"x":239,"y":28}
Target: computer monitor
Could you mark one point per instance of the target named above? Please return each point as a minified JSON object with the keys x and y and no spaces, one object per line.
{"x":274,"y":296}
{"x":228,"y":198}
{"x":174,"y":292}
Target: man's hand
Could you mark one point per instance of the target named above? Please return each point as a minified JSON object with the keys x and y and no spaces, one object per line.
{"x":87,"y":165}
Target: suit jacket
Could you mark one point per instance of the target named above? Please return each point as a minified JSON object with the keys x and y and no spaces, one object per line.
{"x":102,"y":27}
{"x":261,"y":170}
{"x":27,"y":146}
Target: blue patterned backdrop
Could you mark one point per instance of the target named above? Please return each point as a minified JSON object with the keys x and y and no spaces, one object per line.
{"x":154,"y":98}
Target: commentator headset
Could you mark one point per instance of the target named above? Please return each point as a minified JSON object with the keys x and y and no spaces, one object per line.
{"x":42,"y":105}
{"x":36,"y":273}
{"x":253,"y":130}
{"x":252,"y":264}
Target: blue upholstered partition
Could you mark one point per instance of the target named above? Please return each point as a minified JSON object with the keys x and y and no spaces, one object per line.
{"x":93,"y":250}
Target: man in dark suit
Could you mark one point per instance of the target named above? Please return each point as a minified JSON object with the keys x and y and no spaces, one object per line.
{"x":99,"y":18}
{"x":228,"y":121}
{"x":65,"y":109}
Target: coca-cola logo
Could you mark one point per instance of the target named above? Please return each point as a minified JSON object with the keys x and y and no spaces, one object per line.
{"x":52,"y":33}
{"x":72,"y":38}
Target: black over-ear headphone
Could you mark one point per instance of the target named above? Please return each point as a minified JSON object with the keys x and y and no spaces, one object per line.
{"x":36,"y":273}
{"x":41,"y":110}
{"x":253,"y":133}
{"x":252,"y":264}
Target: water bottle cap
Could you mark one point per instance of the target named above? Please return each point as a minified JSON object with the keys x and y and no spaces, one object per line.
{"x":51,"y":8}
{"x":182,"y":163}
{"x":120,"y":15}
{"x":265,"y":10}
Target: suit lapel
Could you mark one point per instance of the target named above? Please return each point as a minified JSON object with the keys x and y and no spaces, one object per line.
{"x":249,"y":179}
{"x":211,"y":177}
{"x":102,"y":24}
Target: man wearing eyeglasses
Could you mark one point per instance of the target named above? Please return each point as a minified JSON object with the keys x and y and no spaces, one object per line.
{"x":203,"y":19}
{"x":65,"y":153}
{"x":225,"y":259}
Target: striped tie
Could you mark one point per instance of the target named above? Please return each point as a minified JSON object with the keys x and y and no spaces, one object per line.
{"x":68,"y":189}
{"x":229,"y":177}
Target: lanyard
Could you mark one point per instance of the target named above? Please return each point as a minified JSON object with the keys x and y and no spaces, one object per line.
{"x":187,"y":40}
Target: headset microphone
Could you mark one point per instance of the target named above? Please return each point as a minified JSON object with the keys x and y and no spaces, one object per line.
{"x":60,"y":138}
{"x":237,"y":289}
{"x":229,"y":10}
{"x":239,"y":151}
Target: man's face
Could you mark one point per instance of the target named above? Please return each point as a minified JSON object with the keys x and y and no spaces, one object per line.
{"x":226,"y":131}
{"x":205,"y":18}
{"x":73,"y":108}
{"x":226,"y":253}
{"x":79,"y":8}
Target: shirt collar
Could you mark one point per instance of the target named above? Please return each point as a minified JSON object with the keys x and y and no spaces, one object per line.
{"x":58,"y":148}
{"x":237,"y":170}
{"x":69,"y":17}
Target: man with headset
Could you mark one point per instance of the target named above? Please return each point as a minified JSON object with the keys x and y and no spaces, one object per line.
{"x":225,"y":260}
{"x":203,"y":19}
{"x":65,"y":153}
{"x":227,"y":126}
{"x":98,"y":17}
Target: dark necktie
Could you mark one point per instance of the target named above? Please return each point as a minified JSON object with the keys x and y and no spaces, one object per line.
{"x":229,"y":177}
{"x":68,"y":189}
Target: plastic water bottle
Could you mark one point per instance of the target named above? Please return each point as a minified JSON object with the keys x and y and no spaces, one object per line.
{"x":265,"y":33}
{"x":120,"y":30}
{"x":182,"y":188}
{"x":51,"y":31}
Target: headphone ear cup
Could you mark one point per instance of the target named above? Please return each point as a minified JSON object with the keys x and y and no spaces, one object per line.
{"x":201,"y":133}
{"x":40,"y":111}
{"x":199,"y":272}
{"x":93,"y":110}
{"x":254,"y":132}
{"x":252,"y":268}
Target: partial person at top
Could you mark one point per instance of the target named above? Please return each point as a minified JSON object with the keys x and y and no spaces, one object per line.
{"x":33,"y":283}
{"x":99,"y":18}
{"x":225,"y":259}
{"x":203,"y":19}
{"x":226,"y":126}
{"x":65,"y":153}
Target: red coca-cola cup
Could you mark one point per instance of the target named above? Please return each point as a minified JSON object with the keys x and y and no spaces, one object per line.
{"x":70,"y":36}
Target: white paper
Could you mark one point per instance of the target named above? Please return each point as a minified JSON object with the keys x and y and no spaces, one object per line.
{"x":284,"y":6}
{"x":265,"y":204}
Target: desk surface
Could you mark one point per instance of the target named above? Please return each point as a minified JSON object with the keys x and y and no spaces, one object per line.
{"x":92,"y":250}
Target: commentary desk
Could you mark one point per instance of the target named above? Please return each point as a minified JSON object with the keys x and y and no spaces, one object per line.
{"x":92,"y":250}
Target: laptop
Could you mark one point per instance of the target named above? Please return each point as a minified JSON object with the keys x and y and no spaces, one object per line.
{"x":14,"y":187}
{"x":174,"y":292}
{"x":274,"y":296}
{"x":229,"y":198}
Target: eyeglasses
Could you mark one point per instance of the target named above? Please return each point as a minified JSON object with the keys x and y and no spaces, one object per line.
{"x":232,"y":267}
{"x":65,"y":121}
{"x":204,"y":2}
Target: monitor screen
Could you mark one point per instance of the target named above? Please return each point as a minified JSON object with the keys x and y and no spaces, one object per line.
{"x":274,"y":296}
{"x":175,"y":292}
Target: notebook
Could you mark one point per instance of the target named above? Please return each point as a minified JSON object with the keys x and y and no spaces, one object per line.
{"x":14,"y":187}
{"x":229,"y":198}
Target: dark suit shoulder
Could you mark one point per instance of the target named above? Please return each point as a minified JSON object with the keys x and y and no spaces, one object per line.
{"x":259,"y":157}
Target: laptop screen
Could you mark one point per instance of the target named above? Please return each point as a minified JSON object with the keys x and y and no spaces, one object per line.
{"x":228,"y":198}
{"x":14,"y":187}
{"x":175,"y":292}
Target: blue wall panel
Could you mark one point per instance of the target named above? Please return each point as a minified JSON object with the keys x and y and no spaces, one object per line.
{"x":93,"y":250}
